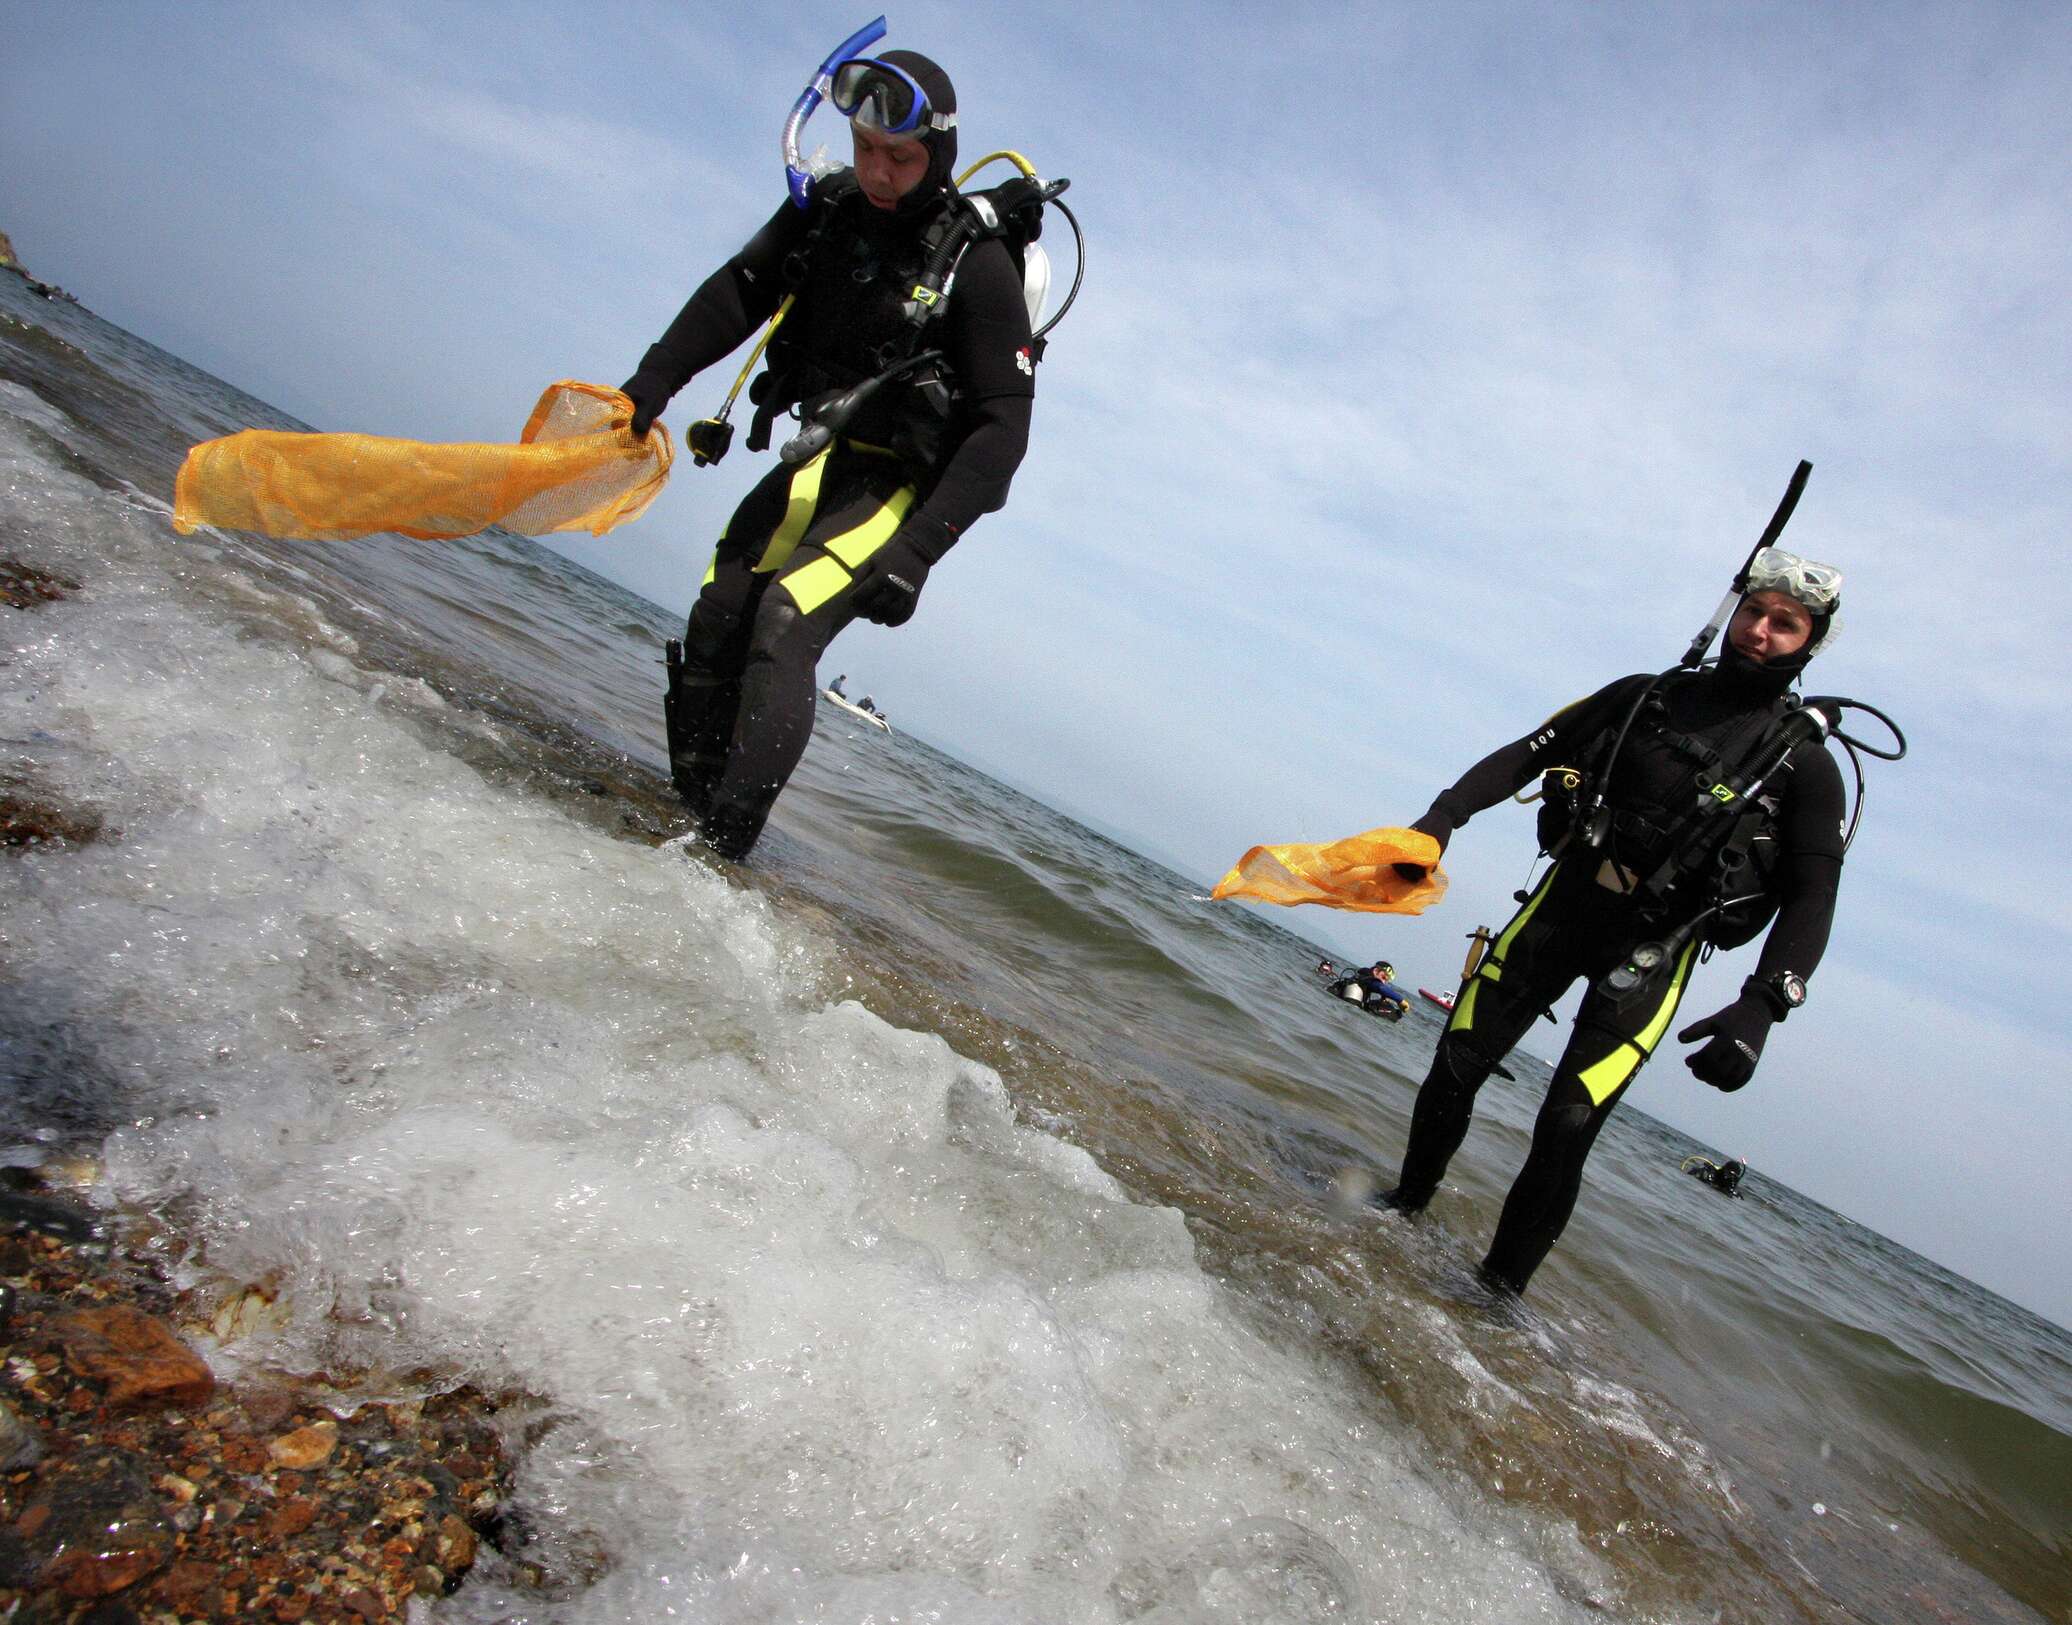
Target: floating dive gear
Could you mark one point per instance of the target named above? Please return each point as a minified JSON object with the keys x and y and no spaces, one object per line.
{"x":797,"y":175}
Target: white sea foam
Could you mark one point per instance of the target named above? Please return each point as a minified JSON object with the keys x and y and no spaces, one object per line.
{"x":821,"y":1331}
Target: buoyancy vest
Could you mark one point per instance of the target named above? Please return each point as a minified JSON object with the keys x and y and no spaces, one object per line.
{"x":873,"y":290}
{"x":851,"y":277}
{"x":1687,"y":846}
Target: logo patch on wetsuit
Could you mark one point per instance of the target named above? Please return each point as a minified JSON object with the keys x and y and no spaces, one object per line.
{"x":1023,"y":360}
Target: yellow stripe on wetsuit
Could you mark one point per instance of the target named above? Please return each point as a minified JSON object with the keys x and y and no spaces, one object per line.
{"x":1605,"y":1076}
{"x":815,"y":582}
{"x":1492,"y":966}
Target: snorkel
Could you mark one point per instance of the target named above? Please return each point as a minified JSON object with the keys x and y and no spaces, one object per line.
{"x":1778,"y":520}
{"x":796,"y":175}
{"x":1817,"y":589}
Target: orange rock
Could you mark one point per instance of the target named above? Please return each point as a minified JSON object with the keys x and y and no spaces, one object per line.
{"x":82,"y":1573}
{"x":136,"y":1355}
{"x":452,"y":1545}
{"x":292,"y":1517}
{"x":305,"y":1447}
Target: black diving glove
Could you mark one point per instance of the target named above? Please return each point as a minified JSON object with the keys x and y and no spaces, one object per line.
{"x":892,"y":578}
{"x":1737,"y":1034}
{"x":1437,"y":825}
{"x":647,"y":404}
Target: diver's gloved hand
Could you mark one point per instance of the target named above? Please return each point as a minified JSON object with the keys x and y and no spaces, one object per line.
{"x":647,"y":404}
{"x":892,"y":577}
{"x":1737,"y":1034}
{"x":1437,"y":825}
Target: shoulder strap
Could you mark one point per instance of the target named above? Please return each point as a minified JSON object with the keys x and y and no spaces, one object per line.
{"x":830,"y":192}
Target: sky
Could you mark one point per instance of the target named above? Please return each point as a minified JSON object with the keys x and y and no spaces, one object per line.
{"x":1435,"y":365}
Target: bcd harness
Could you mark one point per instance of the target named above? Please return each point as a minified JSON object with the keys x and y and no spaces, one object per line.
{"x":1711,"y":853}
{"x":831,"y":397}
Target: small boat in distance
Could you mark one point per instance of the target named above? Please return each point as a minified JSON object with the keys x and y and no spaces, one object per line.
{"x":862,"y":710}
{"x":1443,"y":1000}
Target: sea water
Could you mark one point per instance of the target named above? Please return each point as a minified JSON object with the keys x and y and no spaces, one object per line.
{"x":933,"y":1222}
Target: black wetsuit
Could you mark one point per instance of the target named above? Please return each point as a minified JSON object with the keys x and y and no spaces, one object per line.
{"x":807,"y":546}
{"x":1574,"y":925}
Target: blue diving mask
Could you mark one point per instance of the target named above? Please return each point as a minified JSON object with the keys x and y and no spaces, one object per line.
{"x":885,"y":98}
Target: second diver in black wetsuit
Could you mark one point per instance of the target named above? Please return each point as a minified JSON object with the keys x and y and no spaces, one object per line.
{"x":852,"y":528}
{"x":1633,"y":895}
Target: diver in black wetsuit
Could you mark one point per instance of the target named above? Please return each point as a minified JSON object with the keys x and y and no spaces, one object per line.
{"x":1633,"y":895}
{"x":854,"y":529}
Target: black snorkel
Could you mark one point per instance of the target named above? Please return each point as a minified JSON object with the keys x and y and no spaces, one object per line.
{"x":1695,"y":654}
{"x":1719,"y":808}
{"x":1591,"y":820}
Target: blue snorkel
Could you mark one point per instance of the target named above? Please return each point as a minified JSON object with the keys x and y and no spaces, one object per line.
{"x":795,"y":175}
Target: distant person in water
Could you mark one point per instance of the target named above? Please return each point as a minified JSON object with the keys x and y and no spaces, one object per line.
{"x":835,"y":687}
{"x":1646,"y":873}
{"x":1723,"y":1177}
{"x":1377,"y":993}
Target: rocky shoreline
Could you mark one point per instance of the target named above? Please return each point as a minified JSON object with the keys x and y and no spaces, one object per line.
{"x":137,"y":1489}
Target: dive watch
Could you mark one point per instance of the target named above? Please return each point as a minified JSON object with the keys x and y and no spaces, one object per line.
{"x":1786,"y":991}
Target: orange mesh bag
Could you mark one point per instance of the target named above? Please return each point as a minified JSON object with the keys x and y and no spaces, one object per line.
{"x":1355,"y":873}
{"x":576,"y":466}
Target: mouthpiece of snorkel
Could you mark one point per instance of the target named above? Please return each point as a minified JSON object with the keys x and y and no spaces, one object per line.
{"x":796,"y":176}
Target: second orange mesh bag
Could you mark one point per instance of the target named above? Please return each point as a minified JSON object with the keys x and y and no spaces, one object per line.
{"x":575,"y":466}
{"x":1355,"y":873}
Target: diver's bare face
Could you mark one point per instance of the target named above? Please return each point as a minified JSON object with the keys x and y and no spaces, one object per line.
{"x":1770,"y":626}
{"x":888,"y":166}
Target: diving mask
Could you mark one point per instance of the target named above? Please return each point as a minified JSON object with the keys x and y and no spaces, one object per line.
{"x":882,"y":97}
{"x":1817,"y":586}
